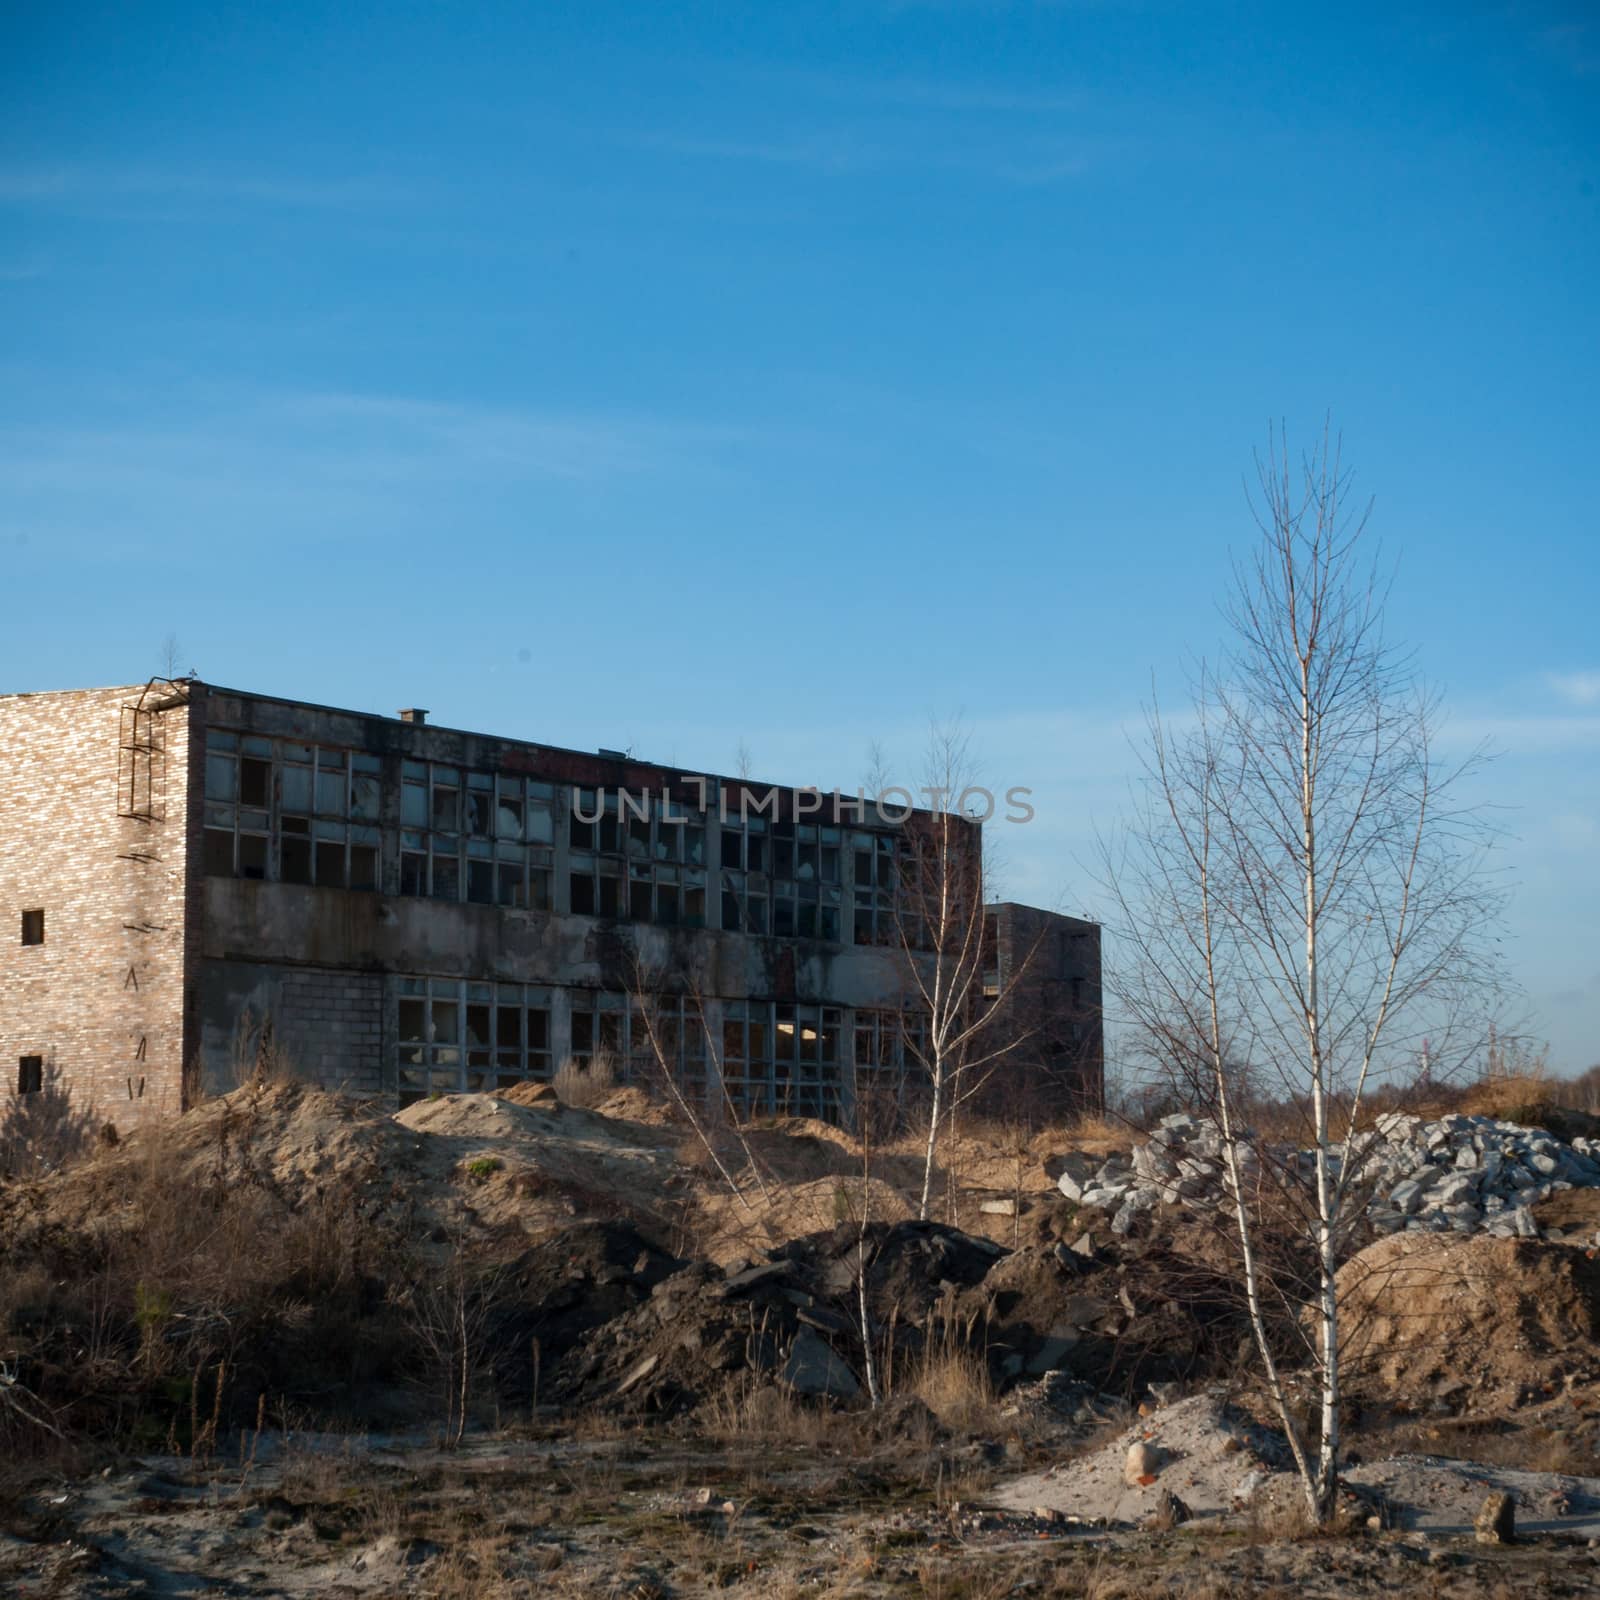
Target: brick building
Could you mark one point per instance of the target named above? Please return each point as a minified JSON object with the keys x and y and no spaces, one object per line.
{"x":193,"y":876}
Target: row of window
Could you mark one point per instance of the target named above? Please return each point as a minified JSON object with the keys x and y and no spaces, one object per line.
{"x":309,"y":814}
{"x":775,"y":1057}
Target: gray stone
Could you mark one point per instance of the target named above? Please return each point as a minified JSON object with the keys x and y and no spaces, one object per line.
{"x":751,"y":1277}
{"x":1131,"y":1209}
{"x":1053,"y":1349}
{"x":815,"y":1371}
{"x":1150,"y":1161}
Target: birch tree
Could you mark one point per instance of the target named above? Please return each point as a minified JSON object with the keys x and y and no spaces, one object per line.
{"x":1302,"y":897}
{"x":939,"y":925}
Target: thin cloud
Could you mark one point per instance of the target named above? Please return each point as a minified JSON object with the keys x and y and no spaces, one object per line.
{"x":305,"y":463}
{"x":843,"y":152}
{"x":87,"y":185}
{"x":933,"y":94}
{"x":1576,"y":688}
{"x":824,"y":152}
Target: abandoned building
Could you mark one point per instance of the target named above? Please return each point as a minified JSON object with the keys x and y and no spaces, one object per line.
{"x":198,"y":879}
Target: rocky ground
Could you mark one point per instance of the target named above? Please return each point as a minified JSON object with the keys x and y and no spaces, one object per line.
{"x":486,"y":1347}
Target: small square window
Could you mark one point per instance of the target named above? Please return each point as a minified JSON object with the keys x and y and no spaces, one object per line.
{"x":30,"y":1074}
{"x":33,"y":927}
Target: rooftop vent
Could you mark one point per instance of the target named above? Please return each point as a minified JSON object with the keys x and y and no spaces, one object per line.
{"x":413,"y":714}
{"x":613,"y":755}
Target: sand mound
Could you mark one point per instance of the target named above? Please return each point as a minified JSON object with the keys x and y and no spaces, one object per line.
{"x":1206,"y":1452}
{"x":528,"y":1094}
{"x":734,"y":1227}
{"x":634,"y":1105}
{"x":1483,"y":1323}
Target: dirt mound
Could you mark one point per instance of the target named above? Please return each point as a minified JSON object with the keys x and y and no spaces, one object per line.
{"x":528,"y":1094}
{"x":629,"y":1104}
{"x":760,"y":1218}
{"x":799,"y":1150}
{"x":1208,"y":1453}
{"x":296,"y":1143}
{"x":1481,"y":1324}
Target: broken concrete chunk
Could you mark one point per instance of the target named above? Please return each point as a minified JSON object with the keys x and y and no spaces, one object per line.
{"x":639,"y":1373}
{"x":1142,"y":1464}
{"x":813,"y":1370}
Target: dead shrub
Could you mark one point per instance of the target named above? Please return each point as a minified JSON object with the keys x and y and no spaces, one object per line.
{"x":955,"y":1386}
{"x":750,"y":1412}
{"x":585,"y":1085}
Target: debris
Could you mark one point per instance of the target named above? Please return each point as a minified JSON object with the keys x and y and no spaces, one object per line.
{"x":1142,"y":1464}
{"x":1496,"y":1521}
{"x":815,"y":1371}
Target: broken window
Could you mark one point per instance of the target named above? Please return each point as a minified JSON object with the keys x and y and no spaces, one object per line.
{"x":294,"y":851}
{"x":454,"y":1035}
{"x":476,"y":836}
{"x":874,"y":887}
{"x":581,"y":888}
{"x":364,"y":858}
{"x":890,"y":1052}
{"x":30,"y":1074}
{"x":445,"y":811}
{"x":746,"y":1055}
{"x":671,"y":1038}
{"x":366,"y":788}
{"x":277,"y":809}
{"x":783,"y":1057}
{"x":521,"y":1035}
{"x":599,"y":1030}
{"x":33,"y":926}
{"x":480,"y":805}
{"x":608,"y":883}
{"x":252,"y":855}
{"x":255,"y":782}
{"x":805,"y":1060}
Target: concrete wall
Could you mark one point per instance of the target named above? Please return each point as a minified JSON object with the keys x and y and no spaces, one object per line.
{"x":103,"y":999}
{"x":320,"y":1023}
{"x":257,"y":934}
{"x":1049,"y":971}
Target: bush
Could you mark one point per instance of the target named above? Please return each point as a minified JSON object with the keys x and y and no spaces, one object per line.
{"x":577,"y":1084}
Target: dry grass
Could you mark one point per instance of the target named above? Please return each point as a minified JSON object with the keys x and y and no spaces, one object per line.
{"x":194,"y":1293}
{"x":1529,"y":1447}
{"x":750,"y":1412}
{"x":954,"y":1385}
{"x":585,"y":1086}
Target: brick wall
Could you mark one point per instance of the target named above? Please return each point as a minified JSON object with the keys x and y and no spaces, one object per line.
{"x":326,"y":1024}
{"x":103,"y":999}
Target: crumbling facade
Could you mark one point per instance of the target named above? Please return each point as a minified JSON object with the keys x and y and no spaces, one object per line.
{"x":1045,"y":969}
{"x":390,"y":907}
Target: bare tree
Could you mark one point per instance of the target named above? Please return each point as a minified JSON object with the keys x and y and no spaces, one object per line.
{"x":1303,"y":896}
{"x":657,"y":1044}
{"x":171,"y":657}
{"x":939,"y":922}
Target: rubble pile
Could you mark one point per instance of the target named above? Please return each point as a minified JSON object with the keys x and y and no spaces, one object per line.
{"x":791,"y":1317}
{"x":1461,"y":1173}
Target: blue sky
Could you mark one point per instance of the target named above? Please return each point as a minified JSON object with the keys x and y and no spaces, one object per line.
{"x":672,"y":377}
